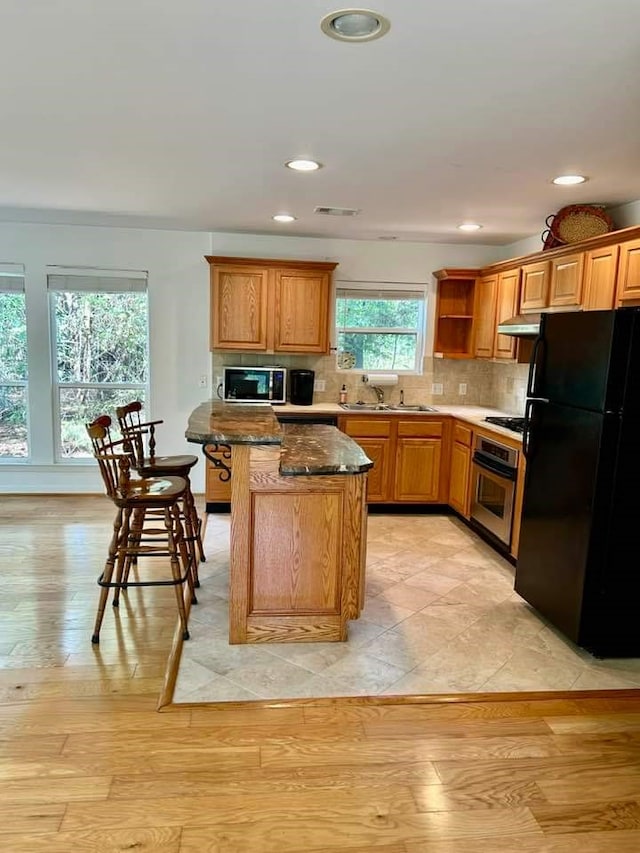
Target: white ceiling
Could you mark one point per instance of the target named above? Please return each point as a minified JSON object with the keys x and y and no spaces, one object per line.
{"x":180,"y":114}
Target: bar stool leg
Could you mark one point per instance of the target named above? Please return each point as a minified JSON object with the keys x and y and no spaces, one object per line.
{"x":196,"y":523}
{"x":172,"y":530}
{"x":123,"y":546}
{"x":106,"y":576}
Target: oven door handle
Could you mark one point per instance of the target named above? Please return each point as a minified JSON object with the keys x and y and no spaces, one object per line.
{"x":488,"y":463}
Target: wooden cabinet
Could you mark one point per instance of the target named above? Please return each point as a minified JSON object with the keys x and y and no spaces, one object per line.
{"x":374,"y":435}
{"x":565,"y":288}
{"x":454,"y":313}
{"x":459,"y":496}
{"x":486,"y":299}
{"x":600,"y":268}
{"x":217,"y":490}
{"x":535,"y":286}
{"x":628,"y":285}
{"x":239,"y":307}
{"x":419,"y":461}
{"x":266,"y":305}
{"x":410,"y":456}
{"x":496,"y":300}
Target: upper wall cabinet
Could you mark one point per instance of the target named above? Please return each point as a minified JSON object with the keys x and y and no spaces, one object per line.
{"x":600,"y":269}
{"x":535,"y":286}
{"x":628,"y":288}
{"x":565,"y":287}
{"x":267,"y":305}
{"x":496,"y":300}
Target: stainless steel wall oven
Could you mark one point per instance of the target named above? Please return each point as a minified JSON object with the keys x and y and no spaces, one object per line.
{"x":494,"y":471}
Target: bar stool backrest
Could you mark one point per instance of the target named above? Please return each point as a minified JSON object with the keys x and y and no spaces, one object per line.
{"x":113,"y":457}
{"x":133,"y":427}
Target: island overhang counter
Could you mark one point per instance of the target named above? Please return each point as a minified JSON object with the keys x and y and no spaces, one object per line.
{"x":298,"y":523}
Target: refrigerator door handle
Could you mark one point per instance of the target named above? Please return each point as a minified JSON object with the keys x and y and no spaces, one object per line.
{"x":534,"y":365}
{"x":526,"y":433}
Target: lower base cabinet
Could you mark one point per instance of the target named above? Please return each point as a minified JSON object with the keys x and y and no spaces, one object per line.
{"x":410,"y":456}
{"x":459,"y":495}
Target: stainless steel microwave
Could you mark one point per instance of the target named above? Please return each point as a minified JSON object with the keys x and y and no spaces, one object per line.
{"x":254,"y":384}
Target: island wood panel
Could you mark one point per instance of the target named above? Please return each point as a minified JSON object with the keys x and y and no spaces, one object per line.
{"x":283,"y":527}
{"x":297,"y":551}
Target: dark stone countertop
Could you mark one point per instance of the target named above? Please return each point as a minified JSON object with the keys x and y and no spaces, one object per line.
{"x":233,"y":423}
{"x":320,"y":449}
{"x":306,"y":448}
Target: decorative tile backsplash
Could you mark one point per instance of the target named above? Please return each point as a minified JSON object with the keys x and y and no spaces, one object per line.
{"x":500,"y":384}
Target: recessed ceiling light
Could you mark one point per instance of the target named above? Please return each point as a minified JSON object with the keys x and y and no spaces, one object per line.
{"x":569,"y":180}
{"x":469,"y":226}
{"x":355,"y":25}
{"x":302,"y":165}
{"x":284,"y":217}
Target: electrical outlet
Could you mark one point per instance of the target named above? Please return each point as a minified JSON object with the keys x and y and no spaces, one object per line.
{"x":320,"y":385}
{"x":462,"y":388}
{"x":203,"y":381}
{"x":437,"y":388}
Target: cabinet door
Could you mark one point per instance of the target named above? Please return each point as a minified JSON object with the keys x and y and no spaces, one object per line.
{"x":239,"y":308}
{"x":379,"y":479}
{"x":565,"y":289}
{"x":485,"y":315}
{"x":418,"y":469}
{"x":507,"y":304}
{"x":459,"y":478}
{"x":600,"y":268}
{"x":302,"y":311}
{"x":628,"y":288}
{"x":217,"y":490}
{"x":535,"y":286}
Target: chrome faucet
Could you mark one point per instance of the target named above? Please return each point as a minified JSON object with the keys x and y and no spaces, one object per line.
{"x":379,"y":392}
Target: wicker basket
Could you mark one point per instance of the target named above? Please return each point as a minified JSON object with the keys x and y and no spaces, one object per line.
{"x":574,"y":223}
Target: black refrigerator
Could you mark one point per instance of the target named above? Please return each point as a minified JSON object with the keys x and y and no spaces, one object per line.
{"x":579,"y":554}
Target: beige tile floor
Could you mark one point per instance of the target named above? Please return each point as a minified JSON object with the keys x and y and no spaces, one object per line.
{"x":440,"y":616}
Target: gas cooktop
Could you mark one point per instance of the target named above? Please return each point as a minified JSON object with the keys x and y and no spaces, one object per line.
{"x":515,"y":424}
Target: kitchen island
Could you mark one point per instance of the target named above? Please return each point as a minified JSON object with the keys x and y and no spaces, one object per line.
{"x":298,"y":523}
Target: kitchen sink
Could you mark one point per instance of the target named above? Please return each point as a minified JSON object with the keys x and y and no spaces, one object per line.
{"x":384,"y":407}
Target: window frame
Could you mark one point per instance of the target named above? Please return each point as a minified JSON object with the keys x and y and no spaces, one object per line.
{"x":383,"y":290}
{"x":90,"y":281}
{"x":12,"y":280}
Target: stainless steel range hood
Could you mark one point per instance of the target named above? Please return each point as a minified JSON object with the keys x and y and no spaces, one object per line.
{"x":521,"y":326}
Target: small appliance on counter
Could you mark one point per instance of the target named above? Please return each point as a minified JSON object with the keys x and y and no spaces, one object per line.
{"x":254,"y":384}
{"x":301,"y":387}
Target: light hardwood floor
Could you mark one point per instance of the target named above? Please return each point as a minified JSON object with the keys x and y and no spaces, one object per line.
{"x":88,"y":764}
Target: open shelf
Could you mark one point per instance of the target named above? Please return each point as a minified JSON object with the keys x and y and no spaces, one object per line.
{"x":454,"y":313}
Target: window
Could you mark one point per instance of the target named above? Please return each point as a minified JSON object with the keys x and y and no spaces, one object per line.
{"x":380,"y":327}
{"x":100,"y":350}
{"x":13,"y":364}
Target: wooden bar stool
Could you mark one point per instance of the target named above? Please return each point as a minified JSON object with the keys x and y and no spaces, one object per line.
{"x":136,"y":499}
{"x":147,"y":464}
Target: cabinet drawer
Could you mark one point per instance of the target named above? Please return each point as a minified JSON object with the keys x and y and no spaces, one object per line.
{"x":428,"y":428}
{"x":373,"y":427}
{"x":462,"y":434}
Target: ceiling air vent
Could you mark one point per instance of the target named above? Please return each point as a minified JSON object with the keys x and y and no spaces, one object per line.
{"x":336,"y":211}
